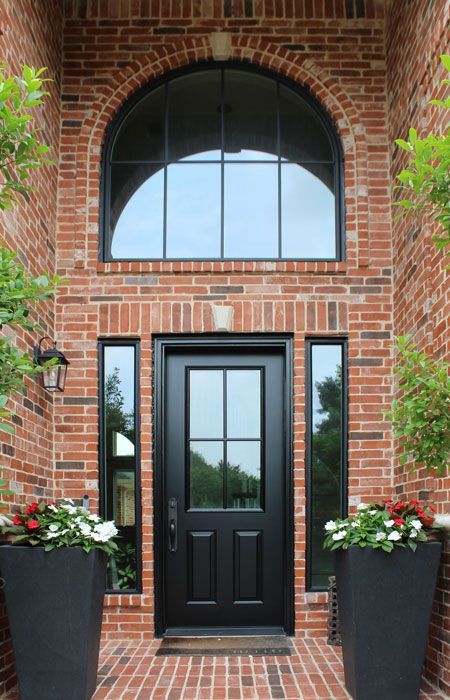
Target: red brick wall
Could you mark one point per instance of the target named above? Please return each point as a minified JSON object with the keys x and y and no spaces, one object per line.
{"x":111,"y":49}
{"x":30,"y":33}
{"x":417,"y":34}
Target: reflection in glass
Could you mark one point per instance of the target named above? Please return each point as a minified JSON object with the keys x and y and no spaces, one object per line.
{"x":137,"y":211}
{"x":303,"y":135}
{"x":206,"y":403}
{"x":194,"y":116}
{"x":308,"y":211}
{"x":206,"y":474}
{"x":243,"y":474}
{"x":141,"y":136}
{"x":250,"y":116}
{"x":244,"y":403}
{"x":251,"y":210}
{"x":326,"y":446}
{"x":119,"y":434}
{"x":193,"y":211}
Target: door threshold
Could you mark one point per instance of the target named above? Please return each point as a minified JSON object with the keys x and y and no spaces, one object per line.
{"x":223,"y":632}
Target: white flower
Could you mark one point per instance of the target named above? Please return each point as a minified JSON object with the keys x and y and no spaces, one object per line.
{"x":373,"y":512}
{"x":343,"y":524}
{"x":102,"y":532}
{"x":416,"y":524}
{"x":68,"y":500}
{"x":355,"y":523}
{"x":70,"y":509}
{"x":94,"y":518}
{"x":395,"y":536}
{"x":338,"y":535}
{"x":380,"y":536}
{"x":53,"y":528}
{"x":85,"y":529}
{"x":388,"y":523}
{"x":52,"y":535}
{"x":4,"y":521}
{"x":413,"y":534}
{"x":53,"y":508}
{"x":362,"y":506}
{"x":330,"y":526}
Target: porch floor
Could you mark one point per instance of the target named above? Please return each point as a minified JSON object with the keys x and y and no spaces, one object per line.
{"x":129,"y":670}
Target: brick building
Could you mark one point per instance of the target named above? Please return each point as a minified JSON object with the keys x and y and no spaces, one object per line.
{"x":259,"y":182}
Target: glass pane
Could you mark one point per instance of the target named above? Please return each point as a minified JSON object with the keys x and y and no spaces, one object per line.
{"x":194,"y":117}
{"x":250,"y":116}
{"x":244,"y":403}
{"x":251,"y":211}
{"x":206,"y":403}
{"x":137,"y":210}
{"x":141,"y":136}
{"x":303,"y":135}
{"x":120,"y":461}
{"x":308,"y":220}
{"x":243,"y":474}
{"x":206,"y":474}
{"x":326,"y":443}
{"x":193,"y":211}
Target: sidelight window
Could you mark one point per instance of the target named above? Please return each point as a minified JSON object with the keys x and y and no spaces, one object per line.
{"x":119,"y":458}
{"x":222,"y":163}
{"x":326,"y":449}
{"x":225,"y":439}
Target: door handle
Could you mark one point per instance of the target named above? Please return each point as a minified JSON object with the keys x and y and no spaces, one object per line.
{"x":172,"y":520}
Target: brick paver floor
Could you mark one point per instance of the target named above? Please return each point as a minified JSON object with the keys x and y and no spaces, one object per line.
{"x":130,"y":671}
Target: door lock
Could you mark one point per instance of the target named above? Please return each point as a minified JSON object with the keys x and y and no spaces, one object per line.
{"x":172,"y":524}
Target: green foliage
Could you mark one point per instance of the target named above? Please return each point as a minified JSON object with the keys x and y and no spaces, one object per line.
{"x":326,"y":453}
{"x":421,"y":415}
{"x":18,"y":293}
{"x":21,"y":151}
{"x":425,"y":182}
{"x":382,"y":526}
{"x":123,"y":564}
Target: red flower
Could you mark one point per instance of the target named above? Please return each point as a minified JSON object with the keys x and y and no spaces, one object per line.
{"x":17,"y":520}
{"x":399,"y":505}
{"x":32,"y":508}
{"x":387,"y":500}
{"x":414,"y":503}
{"x":399,"y":521}
{"x":389,"y":509}
{"x":427,"y":521}
{"x":33,"y":524}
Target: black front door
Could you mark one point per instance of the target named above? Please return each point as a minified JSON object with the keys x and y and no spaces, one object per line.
{"x":224,"y":488}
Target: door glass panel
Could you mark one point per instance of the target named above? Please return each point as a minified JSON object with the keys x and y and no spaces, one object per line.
{"x":206,"y":474}
{"x":244,"y":403}
{"x":243,"y":474}
{"x":206,"y":403}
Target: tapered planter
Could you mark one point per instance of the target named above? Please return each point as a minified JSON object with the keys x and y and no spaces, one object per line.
{"x":55,"y":603}
{"x":385,"y":603}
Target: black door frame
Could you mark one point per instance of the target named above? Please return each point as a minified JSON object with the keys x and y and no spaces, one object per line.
{"x":165,"y":343}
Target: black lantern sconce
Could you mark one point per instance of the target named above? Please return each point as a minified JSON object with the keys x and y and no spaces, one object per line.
{"x":53,"y":376}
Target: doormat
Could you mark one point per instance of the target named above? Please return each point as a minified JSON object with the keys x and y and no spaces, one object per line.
{"x":273,"y":645}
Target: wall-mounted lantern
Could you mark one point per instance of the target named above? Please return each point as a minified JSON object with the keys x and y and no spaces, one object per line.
{"x":53,"y":376}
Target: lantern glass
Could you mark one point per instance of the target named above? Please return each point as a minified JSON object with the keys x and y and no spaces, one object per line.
{"x":54,"y":377}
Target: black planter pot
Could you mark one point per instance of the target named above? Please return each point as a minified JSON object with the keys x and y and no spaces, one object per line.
{"x":55,"y":604}
{"x":385,"y":603}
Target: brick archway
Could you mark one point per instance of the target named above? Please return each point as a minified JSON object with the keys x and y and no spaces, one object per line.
{"x":127,"y":81}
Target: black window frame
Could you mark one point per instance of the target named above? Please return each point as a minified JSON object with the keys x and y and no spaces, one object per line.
{"x":101,"y":345}
{"x":310,"y":342}
{"x":114,"y":126}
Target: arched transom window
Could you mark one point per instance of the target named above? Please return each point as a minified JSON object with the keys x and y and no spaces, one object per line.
{"x":222,"y":163}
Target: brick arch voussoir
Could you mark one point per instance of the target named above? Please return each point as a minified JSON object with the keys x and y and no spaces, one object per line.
{"x":125,"y":82}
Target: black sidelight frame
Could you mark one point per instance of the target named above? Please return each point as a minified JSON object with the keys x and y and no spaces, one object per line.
{"x":322,"y":116}
{"x":163,"y":345}
{"x":103,"y":486}
{"x":310,"y":343}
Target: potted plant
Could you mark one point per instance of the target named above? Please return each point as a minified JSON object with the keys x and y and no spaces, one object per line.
{"x":386,"y":566}
{"x":54,"y":577}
